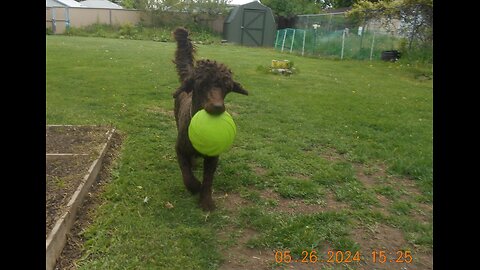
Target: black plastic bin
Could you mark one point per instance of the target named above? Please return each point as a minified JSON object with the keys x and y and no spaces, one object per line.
{"x":392,"y":55}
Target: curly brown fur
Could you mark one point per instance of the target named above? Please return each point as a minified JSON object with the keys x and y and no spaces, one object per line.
{"x":185,"y":53}
{"x":204,"y":85}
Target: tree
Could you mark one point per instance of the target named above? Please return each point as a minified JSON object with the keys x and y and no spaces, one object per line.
{"x":293,"y":7}
{"x":189,"y":13}
{"x":211,"y":7}
{"x":336,"y":3}
{"x":416,"y":16}
{"x":286,"y":11}
{"x":136,"y":4}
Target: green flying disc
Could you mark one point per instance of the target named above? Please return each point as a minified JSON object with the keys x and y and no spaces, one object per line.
{"x":212,"y":134}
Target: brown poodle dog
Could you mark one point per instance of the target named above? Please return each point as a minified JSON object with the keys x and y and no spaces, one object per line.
{"x":204,"y":85}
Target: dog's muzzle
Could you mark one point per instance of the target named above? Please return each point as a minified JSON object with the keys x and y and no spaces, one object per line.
{"x":215,"y":104}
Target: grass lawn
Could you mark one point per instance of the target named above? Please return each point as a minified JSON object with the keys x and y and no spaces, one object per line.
{"x":335,"y":157}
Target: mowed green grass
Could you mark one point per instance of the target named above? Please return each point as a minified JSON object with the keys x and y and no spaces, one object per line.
{"x":370,"y":114}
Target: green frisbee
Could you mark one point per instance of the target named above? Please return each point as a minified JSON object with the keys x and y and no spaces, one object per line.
{"x":212,"y":135}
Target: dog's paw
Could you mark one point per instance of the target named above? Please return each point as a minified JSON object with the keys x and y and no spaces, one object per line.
{"x":207,"y":204}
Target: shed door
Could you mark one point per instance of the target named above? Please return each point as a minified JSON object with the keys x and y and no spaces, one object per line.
{"x":253,"y":24}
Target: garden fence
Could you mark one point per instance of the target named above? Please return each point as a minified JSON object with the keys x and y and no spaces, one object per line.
{"x":334,"y":35}
{"x":341,"y":44}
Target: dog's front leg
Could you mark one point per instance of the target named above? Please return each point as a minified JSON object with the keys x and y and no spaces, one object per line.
{"x":186,"y":167}
{"x":209,"y":167}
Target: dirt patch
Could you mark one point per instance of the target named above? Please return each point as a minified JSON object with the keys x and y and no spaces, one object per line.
{"x":260,"y":171}
{"x":331,"y":154}
{"x":230,"y":201}
{"x":64,"y":174}
{"x":71,"y":151}
{"x":237,"y":253}
{"x":300,"y":206}
{"x":76,"y":139}
{"x":373,"y":176}
{"x":160,"y":110}
{"x":423,"y":213}
{"x":391,"y":242}
{"x":239,"y":256}
{"x":368,"y":180}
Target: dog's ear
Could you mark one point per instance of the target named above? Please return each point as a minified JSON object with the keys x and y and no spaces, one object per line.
{"x":237,"y":88}
{"x":187,"y":86}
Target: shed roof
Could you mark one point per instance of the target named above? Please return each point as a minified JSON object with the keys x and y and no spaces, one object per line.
{"x":251,"y":4}
{"x":62,"y":3}
{"x":241,"y":2}
{"x":100,"y":4}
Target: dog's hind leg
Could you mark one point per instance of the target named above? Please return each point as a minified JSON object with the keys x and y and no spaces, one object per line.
{"x":209,"y":167}
{"x":189,"y":179}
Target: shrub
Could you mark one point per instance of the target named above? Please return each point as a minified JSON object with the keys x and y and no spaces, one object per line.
{"x":163,"y":34}
{"x":420,"y":53}
{"x":128,"y":30}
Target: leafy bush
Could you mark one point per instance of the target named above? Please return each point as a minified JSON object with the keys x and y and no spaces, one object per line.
{"x":420,"y":53}
{"x":140,"y":32}
{"x":128,"y":30}
{"x":93,"y":30}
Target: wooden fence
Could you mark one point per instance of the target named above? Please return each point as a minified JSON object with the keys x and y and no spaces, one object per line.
{"x":58,"y":19}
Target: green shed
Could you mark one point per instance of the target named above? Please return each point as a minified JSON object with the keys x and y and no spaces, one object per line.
{"x":251,"y":24}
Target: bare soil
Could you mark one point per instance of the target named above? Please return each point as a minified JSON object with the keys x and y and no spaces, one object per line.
{"x":71,"y":151}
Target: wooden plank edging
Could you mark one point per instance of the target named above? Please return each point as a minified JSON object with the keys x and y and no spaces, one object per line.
{"x":58,"y":235}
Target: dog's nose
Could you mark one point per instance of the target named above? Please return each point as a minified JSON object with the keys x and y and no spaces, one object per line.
{"x":215,"y":108}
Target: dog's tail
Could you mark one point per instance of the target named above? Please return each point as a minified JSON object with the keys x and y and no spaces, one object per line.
{"x":184,"y":56}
